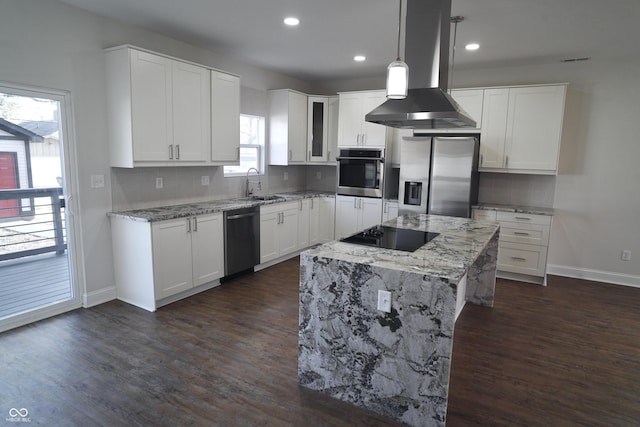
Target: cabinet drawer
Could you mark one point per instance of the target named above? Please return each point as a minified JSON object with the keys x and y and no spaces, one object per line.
{"x":520,"y":258}
{"x":523,"y":218}
{"x":484,"y":215}
{"x":524,"y":233}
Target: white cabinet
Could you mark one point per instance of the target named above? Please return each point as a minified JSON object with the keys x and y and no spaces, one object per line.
{"x":318,"y":129}
{"x":326,"y":211}
{"x":389,"y":210}
{"x":156,"y":263}
{"x":225,"y":118}
{"x":522,"y":129}
{"x":287,"y":127}
{"x":159,"y":109}
{"x":471,"y":102}
{"x":353,"y":130}
{"x":278,"y":230}
{"x":523,"y":244}
{"x":354,"y":214}
{"x":332,"y":130}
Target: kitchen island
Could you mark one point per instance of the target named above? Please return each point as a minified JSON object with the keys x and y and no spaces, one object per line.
{"x":395,"y":363}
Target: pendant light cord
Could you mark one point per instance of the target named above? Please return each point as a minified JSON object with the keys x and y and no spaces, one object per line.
{"x":455,"y":20}
{"x":399,"y":27}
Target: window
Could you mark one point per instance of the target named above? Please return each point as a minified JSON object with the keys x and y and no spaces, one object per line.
{"x":251,"y":146}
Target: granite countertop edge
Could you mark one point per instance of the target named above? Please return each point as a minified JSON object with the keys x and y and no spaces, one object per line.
{"x":165,"y":213}
{"x":533,"y":210}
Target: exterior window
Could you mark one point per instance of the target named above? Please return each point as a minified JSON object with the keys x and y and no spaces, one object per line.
{"x":251,"y":146}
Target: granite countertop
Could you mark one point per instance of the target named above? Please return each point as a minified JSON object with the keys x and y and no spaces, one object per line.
{"x":164,"y":213}
{"x":515,"y":208}
{"x":447,"y":256}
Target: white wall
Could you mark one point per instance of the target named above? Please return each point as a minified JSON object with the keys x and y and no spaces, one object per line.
{"x":48,"y":44}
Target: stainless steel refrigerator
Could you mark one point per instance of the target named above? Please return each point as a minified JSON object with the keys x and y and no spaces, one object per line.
{"x":438,"y":175}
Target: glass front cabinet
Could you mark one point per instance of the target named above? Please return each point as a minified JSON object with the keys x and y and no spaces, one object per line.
{"x":318,"y":132}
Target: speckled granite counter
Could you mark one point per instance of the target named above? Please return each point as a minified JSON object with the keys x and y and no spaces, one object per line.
{"x":397,"y":363}
{"x":164,"y":213}
{"x":515,"y":208}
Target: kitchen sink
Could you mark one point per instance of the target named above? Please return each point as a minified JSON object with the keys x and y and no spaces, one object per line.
{"x":265,"y":198}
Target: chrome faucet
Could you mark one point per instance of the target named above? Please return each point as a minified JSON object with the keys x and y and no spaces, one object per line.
{"x":249,"y":191}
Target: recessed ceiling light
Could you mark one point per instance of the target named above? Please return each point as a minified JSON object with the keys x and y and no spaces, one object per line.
{"x":472,"y":46}
{"x":291,"y":21}
{"x":359,"y":58}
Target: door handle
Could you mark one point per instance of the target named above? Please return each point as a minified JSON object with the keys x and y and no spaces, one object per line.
{"x":523,"y":218}
{"x":170,"y":151}
{"x":195,"y":224}
{"x":517,"y":258}
{"x":178,"y":152}
{"x":188,"y":225}
{"x":520,"y":233}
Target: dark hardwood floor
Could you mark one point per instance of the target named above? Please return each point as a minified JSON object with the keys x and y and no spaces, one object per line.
{"x":568,"y":354}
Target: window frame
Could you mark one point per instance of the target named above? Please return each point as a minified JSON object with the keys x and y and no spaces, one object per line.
{"x":259,"y":146}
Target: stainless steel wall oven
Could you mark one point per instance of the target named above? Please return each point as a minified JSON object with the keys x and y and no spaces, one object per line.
{"x":360,"y":172}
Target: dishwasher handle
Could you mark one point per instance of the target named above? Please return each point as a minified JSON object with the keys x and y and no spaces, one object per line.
{"x":242,"y":215}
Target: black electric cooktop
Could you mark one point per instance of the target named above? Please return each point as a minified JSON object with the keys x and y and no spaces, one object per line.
{"x":400,"y":239}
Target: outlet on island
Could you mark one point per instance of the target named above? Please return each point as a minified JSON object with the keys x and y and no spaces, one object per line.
{"x":159,"y":182}
{"x":384,"y":301}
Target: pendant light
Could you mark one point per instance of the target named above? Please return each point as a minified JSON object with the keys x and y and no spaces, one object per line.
{"x":398,"y":71}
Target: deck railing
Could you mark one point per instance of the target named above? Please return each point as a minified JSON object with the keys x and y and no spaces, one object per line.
{"x":33,"y":224}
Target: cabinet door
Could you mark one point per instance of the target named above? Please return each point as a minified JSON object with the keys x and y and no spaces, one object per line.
{"x":332,"y":130}
{"x":304,"y":223}
{"x":297,"y":128}
{"x":350,"y":119}
{"x":370,"y":212}
{"x":494,"y":128}
{"x":225,"y":118}
{"x":269,"y":225}
{"x":346,"y":216}
{"x":172,"y":271}
{"x":471,"y":102}
{"x":326,"y":220}
{"x":288,"y":230}
{"x":317,"y":124}
{"x":207,"y":243}
{"x":375,"y":135}
{"x":314,"y":221}
{"x":389,"y":210}
{"x":151,"y":106}
{"x":534,"y":127}
{"x":191,"y":112}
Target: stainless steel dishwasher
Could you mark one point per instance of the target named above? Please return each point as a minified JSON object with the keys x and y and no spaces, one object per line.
{"x":241,"y":239}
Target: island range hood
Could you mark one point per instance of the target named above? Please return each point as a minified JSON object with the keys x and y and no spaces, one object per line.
{"x":427,"y":105}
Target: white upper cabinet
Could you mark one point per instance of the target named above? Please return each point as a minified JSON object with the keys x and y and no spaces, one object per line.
{"x":159,"y":109}
{"x":287,"y":127}
{"x":332,"y":129}
{"x":225,"y":118}
{"x":353,"y":130}
{"x":471,"y":102}
{"x":522,"y":129}
{"x":318,"y":129}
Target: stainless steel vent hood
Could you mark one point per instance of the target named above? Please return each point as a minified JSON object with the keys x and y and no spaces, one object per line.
{"x":427,"y":105}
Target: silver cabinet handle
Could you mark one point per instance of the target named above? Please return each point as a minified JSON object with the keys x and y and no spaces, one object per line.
{"x":385,"y":207}
{"x":178,"y":151}
{"x":171,"y":152}
{"x":481,"y":159}
{"x":520,"y":233}
{"x":309,"y":156}
{"x":188,"y":225}
{"x":312,"y":203}
{"x":238,"y":154}
{"x":364,"y":139}
{"x":506,"y":161}
{"x":290,"y":154}
{"x":195,"y":224}
{"x":282,"y":216}
{"x":523,"y":218}
{"x":360,"y":204}
{"x":300,"y":205}
{"x":517,"y":258}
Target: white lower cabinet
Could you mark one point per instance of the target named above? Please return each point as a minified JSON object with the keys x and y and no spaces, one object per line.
{"x":305,"y":222}
{"x":523,"y":244}
{"x":354,"y":214}
{"x":278,"y":230}
{"x":326,"y":219}
{"x":315,"y":221}
{"x":389,"y":210}
{"x":159,"y":260}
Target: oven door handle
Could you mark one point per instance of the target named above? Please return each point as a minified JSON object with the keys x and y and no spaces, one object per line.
{"x":379,"y":159}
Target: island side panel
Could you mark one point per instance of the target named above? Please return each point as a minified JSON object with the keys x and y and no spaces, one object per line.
{"x":481,"y":277}
{"x":396,"y":364}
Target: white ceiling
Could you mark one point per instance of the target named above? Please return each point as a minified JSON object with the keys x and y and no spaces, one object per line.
{"x":333,"y":31}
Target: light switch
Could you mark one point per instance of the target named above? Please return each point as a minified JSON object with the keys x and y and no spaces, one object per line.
{"x":205,"y":180}
{"x":97,"y":181}
{"x":159,"y":182}
{"x":384,"y":301}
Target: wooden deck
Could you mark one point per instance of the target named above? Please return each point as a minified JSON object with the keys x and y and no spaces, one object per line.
{"x":33,"y":282}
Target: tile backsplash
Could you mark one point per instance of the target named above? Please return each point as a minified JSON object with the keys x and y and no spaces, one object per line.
{"x":516,"y":189}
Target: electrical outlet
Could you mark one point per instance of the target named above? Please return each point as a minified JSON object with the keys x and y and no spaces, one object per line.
{"x":205,"y":180}
{"x":97,"y":181}
{"x":159,"y":182}
{"x":384,"y":301}
{"x":286,"y":176}
{"x":626,"y":255}
{"x":318,"y":175}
